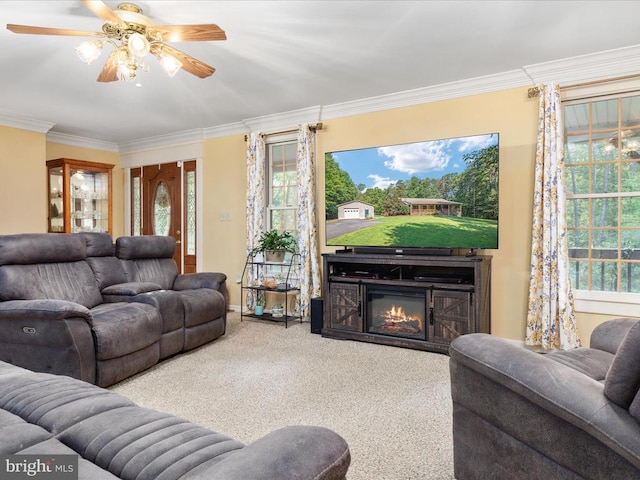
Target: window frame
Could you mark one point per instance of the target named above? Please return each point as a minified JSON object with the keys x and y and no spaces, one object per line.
{"x":269,"y":172}
{"x":279,"y":271}
{"x":596,"y":301}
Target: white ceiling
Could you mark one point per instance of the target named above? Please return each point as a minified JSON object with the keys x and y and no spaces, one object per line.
{"x":282,"y":56}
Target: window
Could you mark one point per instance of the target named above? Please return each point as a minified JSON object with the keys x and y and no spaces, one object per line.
{"x":136,"y":201}
{"x":283,"y":190}
{"x":602,"y":159}
{"x":282,"y":200}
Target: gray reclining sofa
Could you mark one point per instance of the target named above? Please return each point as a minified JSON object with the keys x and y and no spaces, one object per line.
{"x":69,"y":305}
{"x":571,"y":414}
{"x":44,"y":414}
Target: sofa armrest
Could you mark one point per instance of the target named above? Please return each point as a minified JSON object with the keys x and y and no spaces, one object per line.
{"x":131,"y":288}
{"x":190,"y":281}
{"x":609,"y":335}
{"x":52,"y":336}
{"x":295,"y":452}
{"x":552,"y":386}
{"x":42,"y":309}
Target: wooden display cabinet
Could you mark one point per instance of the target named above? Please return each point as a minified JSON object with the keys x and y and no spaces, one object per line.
{"x":79,"y":196}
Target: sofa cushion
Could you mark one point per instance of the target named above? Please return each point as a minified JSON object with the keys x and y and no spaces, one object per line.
{"x":72,"y":281}
{"x":162,"y":271}
{"x":16,"y":434}
{"x":148,"y":258}
{"x":130,"y":289}
{"x":107,"y":269}
{"x":609,"y":335}
{"x":593,"y":363}
{"x":31,"y":248}
{"x":54,"y":402}
{"x":98,"y":244}
{"x":623,"y":380}
{"x":123,"y":328}
{"x":46,"y":266}
{"x":145,"y":246}
{"x":202,"y":305}
{"x":134,"y":442}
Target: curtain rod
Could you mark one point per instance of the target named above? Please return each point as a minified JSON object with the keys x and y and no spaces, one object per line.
{"x":535,"y":91}
{"x":314,"y":127}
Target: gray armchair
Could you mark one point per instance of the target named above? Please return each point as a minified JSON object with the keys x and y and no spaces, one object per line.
{"x":563,"y":415}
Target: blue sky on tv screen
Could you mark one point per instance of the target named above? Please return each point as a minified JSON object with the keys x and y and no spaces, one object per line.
{"x":383,"y":166}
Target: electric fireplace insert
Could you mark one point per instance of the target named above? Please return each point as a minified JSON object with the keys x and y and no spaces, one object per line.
{"x":397,"y":312}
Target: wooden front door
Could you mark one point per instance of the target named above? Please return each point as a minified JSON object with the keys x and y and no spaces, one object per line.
{"x":162,"y":203}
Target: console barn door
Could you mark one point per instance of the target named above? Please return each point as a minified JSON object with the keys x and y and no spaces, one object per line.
{"x":163,"y":200}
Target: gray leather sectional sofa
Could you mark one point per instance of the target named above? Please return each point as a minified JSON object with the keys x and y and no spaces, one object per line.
{"x":564,"y":415}
{"x":82,"y":306}
{"x":44,"y":414}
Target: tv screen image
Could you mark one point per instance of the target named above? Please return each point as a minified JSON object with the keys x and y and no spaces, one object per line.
{"x":432,"y":194}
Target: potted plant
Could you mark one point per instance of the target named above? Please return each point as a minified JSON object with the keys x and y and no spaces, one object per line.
{"x":277,"y":310}
{"x":274,"y":245}
{"x":259,"y":307}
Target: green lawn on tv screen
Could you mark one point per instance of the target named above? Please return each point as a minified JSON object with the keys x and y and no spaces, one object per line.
{"x":421,"y":231}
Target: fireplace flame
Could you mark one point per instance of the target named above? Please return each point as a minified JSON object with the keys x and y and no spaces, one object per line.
{"x":397,"y":315}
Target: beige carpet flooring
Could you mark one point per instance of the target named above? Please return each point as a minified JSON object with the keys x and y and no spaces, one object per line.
{"x":392,"y":405}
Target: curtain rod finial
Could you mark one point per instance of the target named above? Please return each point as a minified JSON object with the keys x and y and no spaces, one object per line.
{"x":533,"y":92}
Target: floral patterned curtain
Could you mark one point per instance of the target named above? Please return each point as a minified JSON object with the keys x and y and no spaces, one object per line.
{"x":255,"y":196}
{"x":306,"y":221}
{"x":550,"y":317}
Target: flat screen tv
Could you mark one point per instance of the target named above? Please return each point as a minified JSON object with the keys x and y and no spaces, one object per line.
{"x":440,"y":194}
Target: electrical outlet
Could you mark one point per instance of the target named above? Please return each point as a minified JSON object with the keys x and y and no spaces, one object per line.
{"x":225,"y":216}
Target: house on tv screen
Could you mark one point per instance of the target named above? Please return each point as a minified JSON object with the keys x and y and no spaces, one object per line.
{"x":433,"y":206}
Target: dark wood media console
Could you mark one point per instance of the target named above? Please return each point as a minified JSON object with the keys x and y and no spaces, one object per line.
{"x":411,"y":301}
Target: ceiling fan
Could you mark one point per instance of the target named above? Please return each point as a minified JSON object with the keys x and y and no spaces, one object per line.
{"x":133,"y":36}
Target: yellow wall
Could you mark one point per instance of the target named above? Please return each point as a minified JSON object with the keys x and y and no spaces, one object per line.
{"x":224,"y":186}
{"x":58,"y":150}
{"x":23,"y":181}
{"x":223,"y":182}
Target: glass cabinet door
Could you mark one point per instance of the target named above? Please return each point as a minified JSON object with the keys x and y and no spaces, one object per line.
{"x":79,"y":196}
{"x":56,"y":204}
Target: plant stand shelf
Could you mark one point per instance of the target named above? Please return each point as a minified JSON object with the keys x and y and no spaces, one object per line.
{"x":256,"y":270}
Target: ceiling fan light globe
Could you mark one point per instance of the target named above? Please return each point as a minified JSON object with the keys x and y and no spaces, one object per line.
{"x":89,"y":51}
{"x":170,"y":64}
{"x":138,"y":45}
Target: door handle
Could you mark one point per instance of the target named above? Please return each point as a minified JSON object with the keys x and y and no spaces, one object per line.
{"x":178,"y":242}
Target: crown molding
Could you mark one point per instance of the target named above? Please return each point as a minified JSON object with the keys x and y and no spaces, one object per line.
{"x":23,"y":123}
{"x":444,"y":91}
{"x":237,"y":128}
{"x":172,"y":139}
{"x":587,"y":68}
{"x":283,"y":121}
{"x":76,"y":141}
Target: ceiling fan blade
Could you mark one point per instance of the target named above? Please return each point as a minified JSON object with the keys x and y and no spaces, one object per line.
{"x":51,"y":31}
{"x":102,"y":11}
{"x":190,"y":64}
{"x":190,"y":33}
{"x":109,"y":72}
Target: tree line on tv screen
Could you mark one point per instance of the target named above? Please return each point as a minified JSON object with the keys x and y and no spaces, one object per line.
{"x":476,"y":188}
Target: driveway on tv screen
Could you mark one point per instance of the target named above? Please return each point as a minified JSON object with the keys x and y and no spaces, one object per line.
{"x":336,"y":228}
